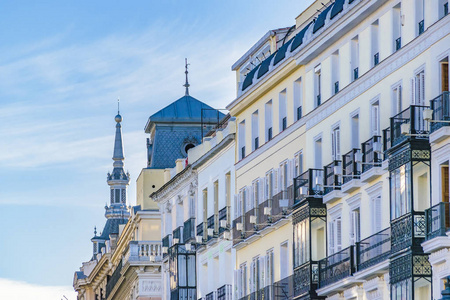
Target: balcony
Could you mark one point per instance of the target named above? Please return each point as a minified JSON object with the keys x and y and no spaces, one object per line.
{"x":178,"y":235}
{"x":387,"y":143}
{"x":336,"y":267}
{"x":438,"y":220}
{"x":441,"y":115}
{"x":308,"y":184}
{"x":249,"y":223}
{"x":332,"y":181}
{"x":189,"y":230}
{"x":237,"y":230}
{"x":306,"y":278}
{"x":144,"y":251}
{"x":223,"y":218}
{"x":225,"y":292}
{"x":200,"y":230}
{"x":211,"y":224}
{"x":409,"y":125}
{"x":282,"y":203}
{"x":211,"y":296}
{"x":408,"y":231}
{"x":282,"y":289}
{"x":166,"y":243}
{"x":351,"y":163}
{"x":183,"y":293}
{"x":373,"y":250}
{"x":371,"y":151}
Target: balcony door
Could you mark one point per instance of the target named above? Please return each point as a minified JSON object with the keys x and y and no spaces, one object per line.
{"x":444,"y":75}
{"x":445,"y":192}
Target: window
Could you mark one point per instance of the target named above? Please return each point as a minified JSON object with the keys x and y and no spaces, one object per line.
{"x":420,"y":16}
{"x":335,"y":72}
{"x":256,"y":192}
{"x":375,"y":118}
{"x":268,"y":120}
{"x":242,"y":280}
{"x":255,"y":275}
{"x":444,"y":75}
{"x":355,"y":232}
{"x":396,"y":100}
{"x":117,"y":195}
{"x":355,"y":57}
{"x":269,"y":268}
{"x":318,"y":154}
{"x":298,"y":99}
{"x":375,"y":204}
{"x":355,"y":132}
{"x":205,"y":210}
{"x":284,"y":260}
{"x":335,"y":235}
{"x":227,"y":195}
{"x":301,"y":243}
{"x":317,"y":86}
{"x":298,"y":164}
{"x":397,"y":27}
{"x":375,"y":43}
{"x":418,"y":89}
{"x":242,"y":140}
{"x":216,"y":206}
{"x":336,"y":143}
{"x":284,"y":176}
{"x":400,"y":191}
{"x":255,"y":131}
{"x":443,"y":8}
{"x":282,"y":110}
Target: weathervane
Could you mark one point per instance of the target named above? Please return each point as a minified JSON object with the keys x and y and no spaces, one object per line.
{"x":187,"y":82}
{"x":118,"y":105}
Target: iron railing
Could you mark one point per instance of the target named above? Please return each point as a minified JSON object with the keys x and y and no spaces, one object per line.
{"x":166,"y":243}
{"x":332,"y":179}
{"x":189,"y":230}
{"x":249,"y":228}
{"x":374,"y":249}
{"x":306,"y":278}
{"x":282,"y":289}
{"x":178,"y":234}
{"x":183,"y":293}
{"x":336,"y":267}
{"x":386,"y":142}
{"x":308,"y":184}
{"x":282,"y":203}
{"x":264,"y":218}
{"x":223,"y":216}
{"x":371,"y":155}
{"x":237,"y":234}
{"x":351,"y":167}
{"x":408,"y":231}
{"x":225,"y":292}
{"x":438,"y":220}
{"x":441,"y":111}
{"x":211,"y":296}
{"x":200,"y":229}
{"x":210,"y":223}
{"x":413,"y":116}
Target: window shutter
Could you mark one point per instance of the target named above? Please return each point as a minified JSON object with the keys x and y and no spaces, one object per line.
{"x":377,"y":212}
{"x":262,"y":271}
{"x":338,"y":143}
{"x":413,"y":90}
{"x":271,"y":274}
{"x":275,"y":182}
{"x":352,"y":227}
{"x":358,"y":226}
{"x":375,"y":120}
{"x":261,"y":190}
{"x":252,"y":270}
{"x":332,"y":235}
{"x":333,"y":145}
{"x":338,"y":235}
{"x":422,"y":88}
{"x":236,"y":206}
{"x":444,"y":77}
{"x":237,"y":283}
{"x":266,"y":187}
{"x":290,"y":172}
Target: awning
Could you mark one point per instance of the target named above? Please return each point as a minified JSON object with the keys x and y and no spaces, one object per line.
{"x":298,"y":39}
{"x":321,"y":19}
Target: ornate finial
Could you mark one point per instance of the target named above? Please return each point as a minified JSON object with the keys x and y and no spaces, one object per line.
{"x":118,"y":118}
{"x":187,"y":82}
{"x":95,"y":231}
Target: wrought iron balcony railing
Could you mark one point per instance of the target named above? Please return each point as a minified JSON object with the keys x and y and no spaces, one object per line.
{"x":264,"y":214}
{"x":223,"y":216}
{"x":211,"y":296}
{"x":441,"y":111}
{"x":351,"y":166}
{"x":189,"y":230}
{"x":225,"y":292}
{"x":336,"y":267}
{"x":408,"y":231}
{"x":178,"y":234}
{"x":387,"y":142}
{"x":306,"y":278}
{"x":418,"y":127}
{"x":373,"y":250}
{"x":438,"y":220}
{"x":237,"y":234}
{"x":371,"y":153}
{"x":183,"y":293}
{"x":282,"y":289}
{"x":282,"y":203}
{"x":200,"y":229}
{"x":249,"y":225}
{"x":308,"y":184}
{"x":332,"y":176}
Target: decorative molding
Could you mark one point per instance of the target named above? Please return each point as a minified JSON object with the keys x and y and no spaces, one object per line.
{"x":150,"y":287}
{"x":375,"y":189}
{"x":335,"y":211}
{"x":354,"y":201}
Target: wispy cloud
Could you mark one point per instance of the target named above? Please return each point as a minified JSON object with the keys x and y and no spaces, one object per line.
{"x":18,"y":290}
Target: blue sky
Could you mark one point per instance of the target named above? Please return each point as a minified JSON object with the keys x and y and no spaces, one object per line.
{"x":62,"y":66}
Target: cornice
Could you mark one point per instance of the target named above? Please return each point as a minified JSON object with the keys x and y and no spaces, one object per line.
{"x":173,"y":185}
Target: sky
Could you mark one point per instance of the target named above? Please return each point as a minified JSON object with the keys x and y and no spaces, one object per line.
{"x":63,"y":64}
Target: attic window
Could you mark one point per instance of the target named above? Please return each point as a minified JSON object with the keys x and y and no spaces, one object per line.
{"x":186,"y":147}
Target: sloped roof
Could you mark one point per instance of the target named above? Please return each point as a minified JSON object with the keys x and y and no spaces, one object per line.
{"x":187,"y":109}
{"x":111,"y":227}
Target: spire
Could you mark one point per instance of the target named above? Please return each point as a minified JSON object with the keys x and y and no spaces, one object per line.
{"x":187,"y":82}
{"x":118,"y":148}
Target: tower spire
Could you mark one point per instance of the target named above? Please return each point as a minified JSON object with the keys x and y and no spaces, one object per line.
{"x":187,"y":82}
